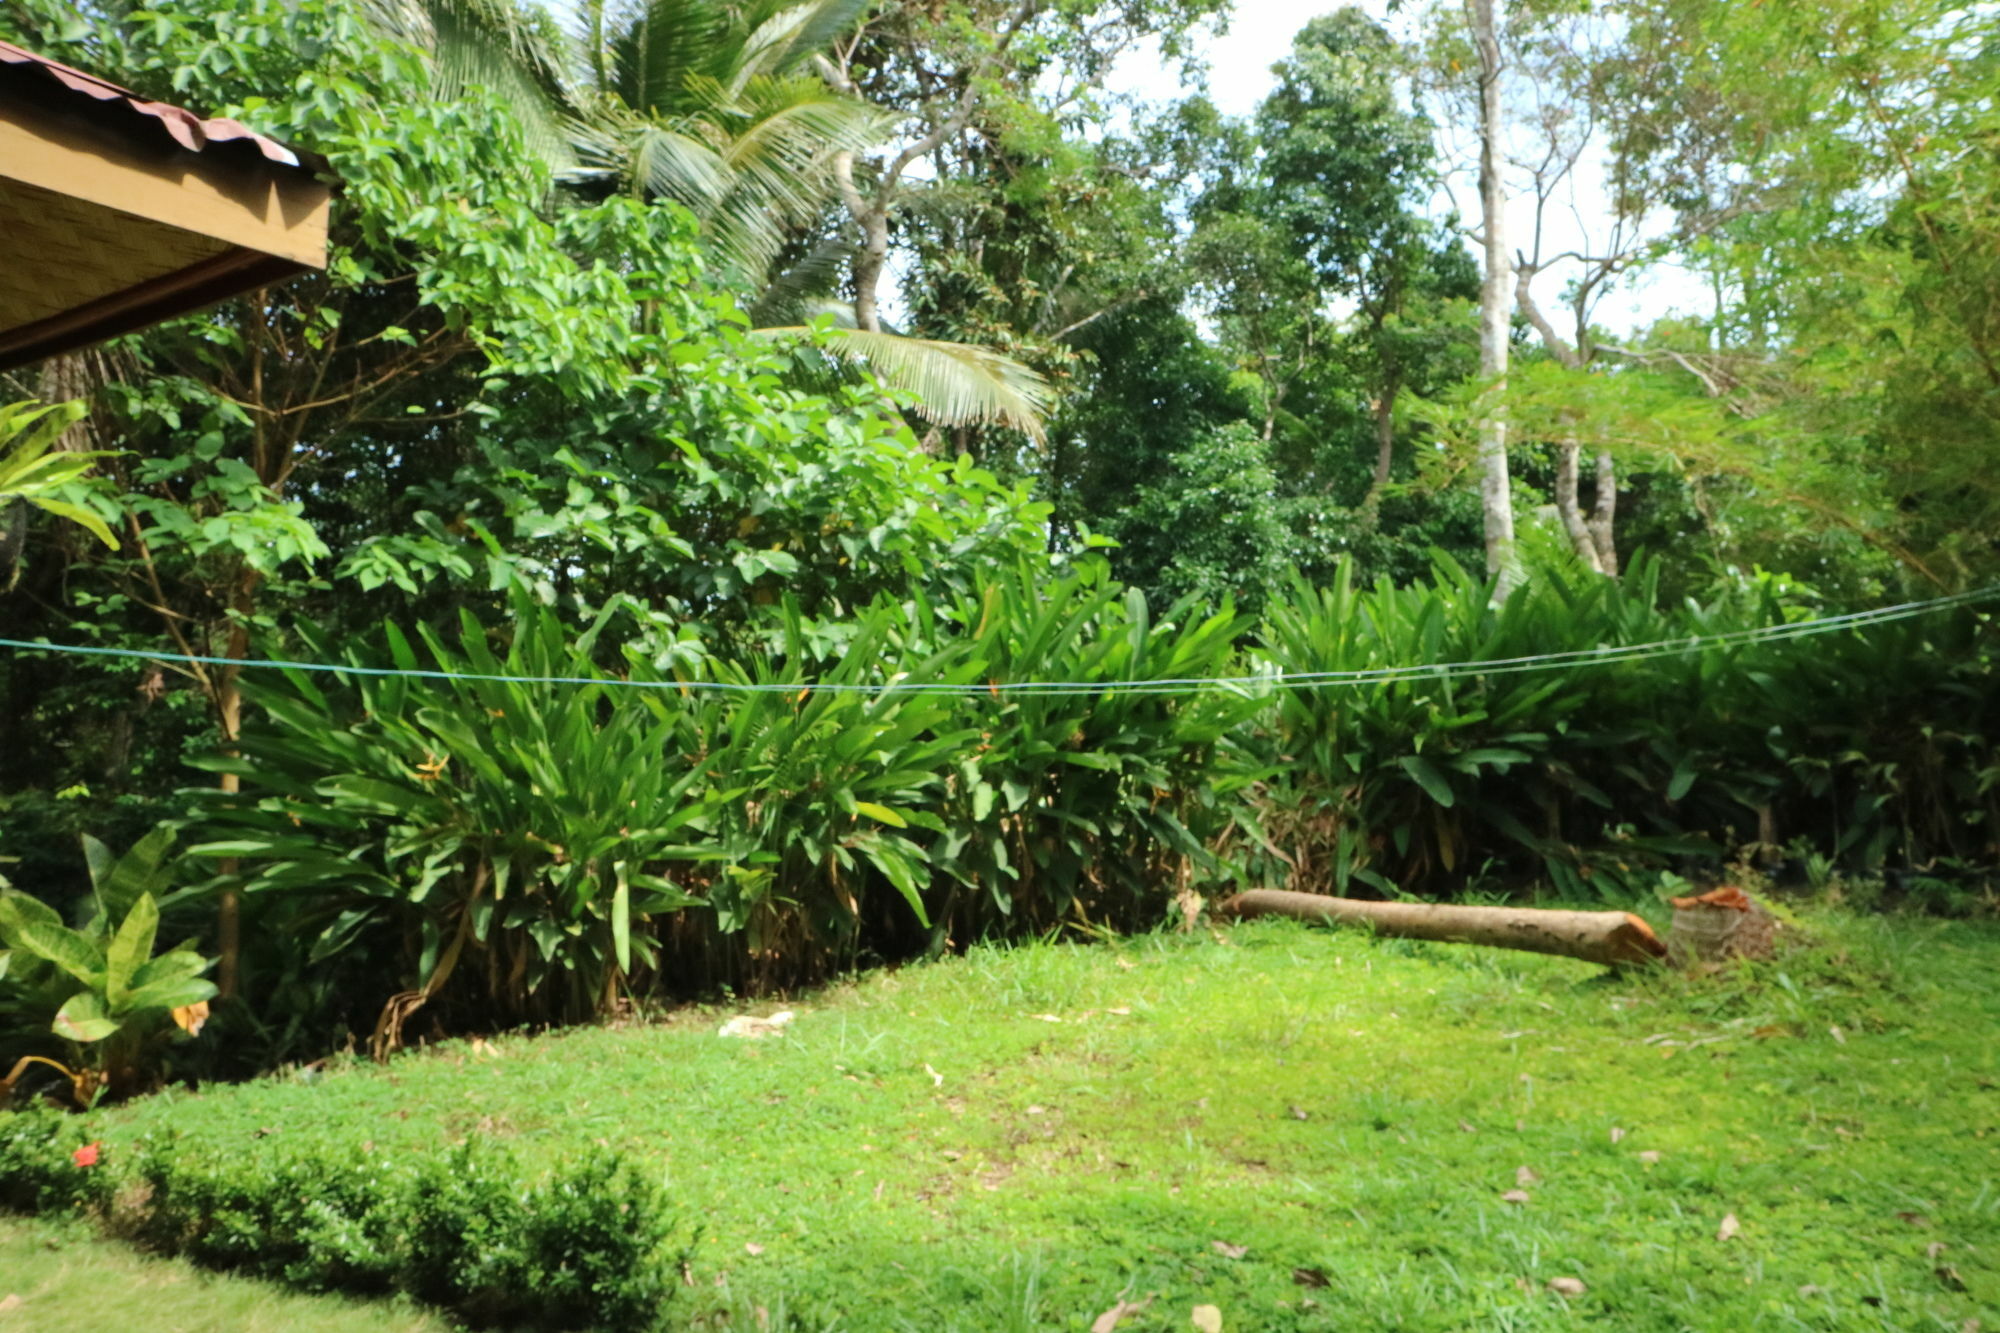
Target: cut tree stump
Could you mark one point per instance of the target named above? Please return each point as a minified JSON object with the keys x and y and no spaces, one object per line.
{"x":1611,"y":939}
{"x":1721,"y":924}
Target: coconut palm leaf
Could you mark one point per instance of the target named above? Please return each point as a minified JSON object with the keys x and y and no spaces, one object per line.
{"x":954,"y":384}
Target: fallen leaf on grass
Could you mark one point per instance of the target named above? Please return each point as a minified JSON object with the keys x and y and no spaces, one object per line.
{"x":1207,"y":1318}
{"x":1121,"y":1010}
{"x":1117,"y":1314}
{"x":1228,"y":1251}
{"x":1464,"y":1128}
{"x":1298,"y":1113}
{"x":1837,"y":1034}
{"x":1126,"y":964}
{"x":1038,"y":1110}
{"x":1730,"y":1226}
{"x":1809,"y":1291}
{"x":1934,"y":1249}
{"x":1649,"y":1156}
{"x":752,"y":1248}
{"x":937,"y":1079}
{"x":1950,"y":1277}
{"x":1525,"y":1176}
{"x":1616,"y":1133}
{"x":1046,"y":1018}
{"x":1567,"y":1286}
{"x":10,"y":1303}
{"x":1514,"y":1197}
{"x":1309,"y":1277}
{"x":1917,"y":1220}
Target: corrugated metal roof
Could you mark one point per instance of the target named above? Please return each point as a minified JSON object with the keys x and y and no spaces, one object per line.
{"x":183,"y":127}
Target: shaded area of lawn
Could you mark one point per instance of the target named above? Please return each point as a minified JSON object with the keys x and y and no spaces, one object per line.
{"x":60,"y":1275}
{"x":1307,"y":1129}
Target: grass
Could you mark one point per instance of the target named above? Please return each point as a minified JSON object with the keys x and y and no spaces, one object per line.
{"x":60,"y":1275}
{"x":1308,"y":1129}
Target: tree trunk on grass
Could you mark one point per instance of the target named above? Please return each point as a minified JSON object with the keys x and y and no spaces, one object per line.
{"x":1607,"y":938}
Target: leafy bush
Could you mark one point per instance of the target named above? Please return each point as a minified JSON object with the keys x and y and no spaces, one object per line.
{"x":516,"y":831}
{"x":1596,"y":771}
{"x":592,"y":1246}
{"x":99,"y":988}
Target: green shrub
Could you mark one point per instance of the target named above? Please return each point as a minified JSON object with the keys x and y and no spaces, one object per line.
{"x":590,"y":1247}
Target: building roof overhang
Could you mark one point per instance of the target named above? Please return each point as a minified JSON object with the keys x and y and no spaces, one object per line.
{"x":116,"y":212}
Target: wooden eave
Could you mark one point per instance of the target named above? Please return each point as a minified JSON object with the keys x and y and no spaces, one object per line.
{"x":117,"y":213}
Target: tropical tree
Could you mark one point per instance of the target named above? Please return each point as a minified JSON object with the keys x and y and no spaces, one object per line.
{"x":720,"y":108}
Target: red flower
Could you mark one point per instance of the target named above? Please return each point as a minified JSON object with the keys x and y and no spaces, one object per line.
{"x":86,"y":1155}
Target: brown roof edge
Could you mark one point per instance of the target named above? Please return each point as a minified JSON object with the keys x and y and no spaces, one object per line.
{"x":183,"y":127}
{"x":228,"y":274}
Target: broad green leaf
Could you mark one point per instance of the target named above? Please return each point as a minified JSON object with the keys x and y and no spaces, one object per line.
{"x":83,"y":1019}
{"x":172,"y":965}
{"x":1428,"y":778}
{"x":170,"y":993}
{"x":881,"y":814}
{"x":34,"y":927}
{"x":1682,"y":781}
{"x":621,"y":918}
{"x":130,"y":949}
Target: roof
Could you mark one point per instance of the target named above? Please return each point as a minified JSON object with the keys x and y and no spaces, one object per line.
{"x":184,"y":127}
{"x":122,"y":212}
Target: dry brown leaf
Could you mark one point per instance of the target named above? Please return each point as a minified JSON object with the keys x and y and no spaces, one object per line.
{"x":1038,"y":1110}
{"x":1299,"y":1113}
{"x":752,"y":1248}
{"x":189,"y":1019}
{"x":1309,"y":1277}
{"x":1525,"y":1176}
{"x":1465,"y":1128}
{"x":1837,"y":1034}
{"x":1047,"y":1018}
{"x":1126,"y":964}
{"x":1950,"y":1277}
{"x":11,"y":1302}
{"x":1917,"y":1220}
{"x":1730,"y":1226}
{"x":1616,"y":1133}
{"x":1649,"y":1156}
{"x":1228,"y":1251}
{"x":1567,"y":1286}
{"x":1809,"y":1291}
{"x":1121,"y":1010}
{"x":1514,"y":1197}
{"x":1117,"y":1314}
{"x":1934,"y":1249}
{"x":1190,"y":904}
{"x":1207,"y":1318}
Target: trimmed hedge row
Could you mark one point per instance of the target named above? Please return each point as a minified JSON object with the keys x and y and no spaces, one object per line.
{"x":591,"y":1246}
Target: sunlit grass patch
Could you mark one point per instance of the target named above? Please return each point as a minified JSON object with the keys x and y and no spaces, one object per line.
{"x":1305,"y":1128}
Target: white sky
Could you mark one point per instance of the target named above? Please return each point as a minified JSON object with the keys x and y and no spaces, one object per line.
{"x":1239,"y":76}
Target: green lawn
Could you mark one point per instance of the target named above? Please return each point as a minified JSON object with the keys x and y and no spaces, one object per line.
{"x":1306,"y":1129}
{"x":56,"y":1275}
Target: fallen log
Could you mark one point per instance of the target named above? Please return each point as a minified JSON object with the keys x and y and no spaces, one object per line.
{"x":1611,"y":939}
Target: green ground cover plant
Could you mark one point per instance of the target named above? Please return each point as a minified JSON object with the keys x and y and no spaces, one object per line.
{"x":1306,"y":1129}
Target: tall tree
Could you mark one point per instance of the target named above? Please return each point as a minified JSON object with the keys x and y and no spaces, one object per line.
{"x":1496,"y":298}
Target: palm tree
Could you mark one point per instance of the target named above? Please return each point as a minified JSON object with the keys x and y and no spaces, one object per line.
{"x":717,"y":106}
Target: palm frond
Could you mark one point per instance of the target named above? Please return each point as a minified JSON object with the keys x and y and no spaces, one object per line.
{"x":794,"y":296}
{"x":664,"y":43}
{"x":954,"y":384}
{"x":793,"y":34}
